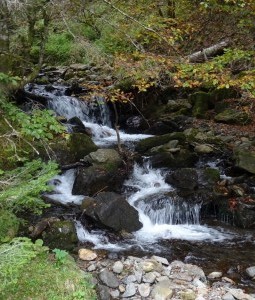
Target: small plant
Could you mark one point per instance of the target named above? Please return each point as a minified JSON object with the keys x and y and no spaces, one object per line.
{"x":60,"y":256}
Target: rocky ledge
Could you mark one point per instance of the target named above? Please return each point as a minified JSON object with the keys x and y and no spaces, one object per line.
{"x":156,"y":279}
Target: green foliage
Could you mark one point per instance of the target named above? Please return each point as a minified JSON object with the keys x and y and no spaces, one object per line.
{"x":20,"y":188}
{"x":28,"y":272}
{"x":8,"y":80}
{"x":9,"y":225}
{"x":58,"y":47}
{"x":60,"y":256}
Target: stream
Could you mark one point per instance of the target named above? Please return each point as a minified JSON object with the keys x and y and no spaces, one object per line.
{"x":172,"y":228}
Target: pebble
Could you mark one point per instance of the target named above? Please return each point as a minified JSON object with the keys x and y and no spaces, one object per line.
{"x":91,"y":268}
{"x":115,"y":294}
{"x":138,"y":275}
{"x":215,"y":275}
{"x":250,"y":271}
{"x":130,"y":290}
{"x":149,"y":277}
{"x":129,"y":279}
{"x":86,"y":254}
{"x":118,"y":267}
{"x":144,"y":289}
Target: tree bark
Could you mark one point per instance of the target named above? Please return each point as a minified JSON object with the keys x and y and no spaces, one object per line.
{"x":201,"y":56}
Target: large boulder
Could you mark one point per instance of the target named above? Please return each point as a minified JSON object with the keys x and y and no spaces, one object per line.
{"x":185,"y":178}
{"x":232,"y":116}
{"x":201,"y":103}
{"x":75,"y":148}
{"x":104,"y":174}
{"x":245,"y":159}
{"x":112,"y":211}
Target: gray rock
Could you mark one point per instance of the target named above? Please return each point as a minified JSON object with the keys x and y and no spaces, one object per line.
{"x":138,"y":275}
{"x":149,"y":265}
{"x":129,"y":279}
{"x":251,"y":271}
{"x":188,"y":295}
{"x":161,"y":260}
{"x":104,"y":292}
{"x":91,"y":268}
{"x":115,"y":294}
{"x":228,"y":296}
{"x":203,"y":149}
{"x":149,"y":277}
{"x":108,"y":278}
{"x":117,"y":267}
{"x":144,"y":289}
{"x":162,"y":291}
{"x":240,"y":295}
{"x":130,"y":290}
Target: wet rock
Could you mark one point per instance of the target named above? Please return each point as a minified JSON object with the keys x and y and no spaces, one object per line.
{"x":78,"y":126}
{"x":215,"y":275}
{"x":245,"y":159}
{"x":231,"y":116}
{"x":184,"y":178}
{"x":136,"y":124}
{"x":113,"y":211}
{"x":86,"y":254}
{"x":130,"y":290}
{"x":61,"y":235}
{"x":144,"y":289}
{"x":183,"y":158}
{"x":118,"y":267}
{"x":110,"y":157}
{"x":251,"y":271}
{"x":108,"y":278}
{"x":244,"y":212}
{"x":161,"y":291}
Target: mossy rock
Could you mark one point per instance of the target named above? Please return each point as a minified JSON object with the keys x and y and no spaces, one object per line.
{"x":146,"y":144}
{"x":73,"y":149}
{"x":211,"y":175}
{"x":231,"y":116}
{"x":9,"y":226}
{"x":201,"y":103}
{"x":245,"y":159}
{"x":62,"y":235}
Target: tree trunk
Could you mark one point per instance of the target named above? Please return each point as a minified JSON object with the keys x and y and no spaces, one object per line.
{"x":201,"y":56}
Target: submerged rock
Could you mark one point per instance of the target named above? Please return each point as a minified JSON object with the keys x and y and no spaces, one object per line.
{"x":113,"y":211}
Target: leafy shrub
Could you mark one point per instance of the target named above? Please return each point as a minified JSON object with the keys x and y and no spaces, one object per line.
{"x":9,"y":225}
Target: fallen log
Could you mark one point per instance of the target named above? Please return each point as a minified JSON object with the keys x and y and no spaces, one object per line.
{"x":201,"y":56}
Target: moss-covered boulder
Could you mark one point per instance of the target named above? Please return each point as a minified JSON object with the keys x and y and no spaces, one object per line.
{"x":9,"y":226}
{"x":62,"y":235}
{"x":222,"y":94}
{"x":232,"y":116}
{"x":201,"y":102}
{"x":146,"y":144}
{"x":245,"y":159}
{"x":76,"y":147}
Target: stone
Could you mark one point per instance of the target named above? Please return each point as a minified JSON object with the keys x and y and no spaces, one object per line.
{"x":228,"y":296}
{"x":115,"y":294}
{"x":161,"y":260}
{"x":149,"y":277}
{"x":138,"y":275}
{"x":122,"y":288}
{"x":203,"y":149}
{"x":91,"y":268}
{"x":108,"y":278}
{"x":201,"y":102}
{"x":231,"y":116}
{"x":129,"y":279}
{"x":161,"y":290}
{"x":102,"y":156}
{"x":184,"y":178}
{"x":188,"y":295}
{"x":118,"y":267}
{"x":245,"y":159}
{"x":240,"y":295}
{"x":144,"y":289}
{"x":130,"y":290}
{"x":86,"y":254}
{"x":113,"y":211}
{"x":251,"y":271}
{"x":215,"y":275}
{"x":104,"y":292}
{"x":150,"y":265}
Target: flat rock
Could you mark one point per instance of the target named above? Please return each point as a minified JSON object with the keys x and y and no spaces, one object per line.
{"x":108,"y":278}
{"x":130,"y":290}
{"x":86,"y":254}
{"x":161,"y":260}
{"x":144,"y":289}
{"x":150,"y":265}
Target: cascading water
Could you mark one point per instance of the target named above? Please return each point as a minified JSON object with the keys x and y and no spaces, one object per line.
{"x":162,"y":216}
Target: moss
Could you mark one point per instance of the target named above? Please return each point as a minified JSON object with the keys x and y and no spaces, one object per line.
{"x":212,"y":175}
{"x":201,"y":103}
{"x":146,"y":144}
{"x":9,"y":226}
{"x":231,"y":116}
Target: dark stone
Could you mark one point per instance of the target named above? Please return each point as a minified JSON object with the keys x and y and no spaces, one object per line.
{"x":181,"y":159}
{"x":109,"y":279}
{"x":104,"y":292}
{"x":160,"y":128}
{"x":113,"y":211}
{"x":244,"y":212}
{"x":78,"y":126}
{"x":136,"y":124}
{"x":201,"y":103}
{"x":185,"y":178}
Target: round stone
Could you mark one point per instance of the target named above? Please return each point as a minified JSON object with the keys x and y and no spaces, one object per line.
{"x":86,"y":254}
